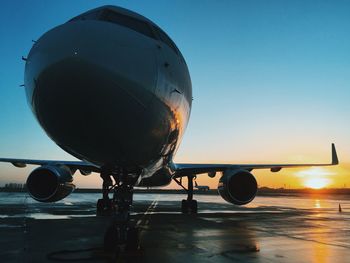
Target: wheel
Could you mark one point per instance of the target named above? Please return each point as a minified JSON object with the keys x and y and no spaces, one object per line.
{"x":190,"y":207}
{"x":115,"y":235}
{"x":133,"y":240}
{"x":193,"y":206}
{"x":184,"y":206}
{"x":111,"y":239}
{"x":105,"y":207}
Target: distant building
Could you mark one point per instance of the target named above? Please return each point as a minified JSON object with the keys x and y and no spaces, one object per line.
{"x":14,"y":187}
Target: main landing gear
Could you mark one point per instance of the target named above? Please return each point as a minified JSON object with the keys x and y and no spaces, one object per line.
{"x":189,"y":205}
{"x":120,"y":232}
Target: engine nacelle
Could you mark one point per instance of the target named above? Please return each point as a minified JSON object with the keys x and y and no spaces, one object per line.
{"x":50,"y":183}
{"x":238,"y":187}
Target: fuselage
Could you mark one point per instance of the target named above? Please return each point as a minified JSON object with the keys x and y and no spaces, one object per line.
{"x":111,"y":88}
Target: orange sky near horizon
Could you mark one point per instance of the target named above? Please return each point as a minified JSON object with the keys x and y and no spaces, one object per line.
{"x":267,"y":152}
{"x":335,"y":177}
{"x":257,"y":151}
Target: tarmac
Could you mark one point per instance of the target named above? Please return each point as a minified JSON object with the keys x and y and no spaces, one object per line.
{"x":67,"y":232}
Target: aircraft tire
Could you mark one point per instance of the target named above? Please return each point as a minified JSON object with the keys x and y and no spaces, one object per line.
{"x":105,"y":208}
{"x":184,"y":206}
{"x":115,"y":236}
{"x":133,"y":239}
{"x":193,"y":206}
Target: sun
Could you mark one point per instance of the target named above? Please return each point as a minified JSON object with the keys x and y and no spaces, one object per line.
{"x":316,"y":183}
{"x":315,"y":177}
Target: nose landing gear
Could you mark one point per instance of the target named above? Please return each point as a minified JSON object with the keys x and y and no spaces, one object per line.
{"x":120,"y":233}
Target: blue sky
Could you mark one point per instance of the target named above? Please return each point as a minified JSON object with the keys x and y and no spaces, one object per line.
{"x":270,"y":78}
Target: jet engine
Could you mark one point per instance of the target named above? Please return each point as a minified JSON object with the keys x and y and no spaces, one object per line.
{"x":238,"y":187}
{"x":50,"y":183}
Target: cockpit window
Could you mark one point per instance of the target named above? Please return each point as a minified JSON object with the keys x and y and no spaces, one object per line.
{"x":127,"y":21}
{"x":87,"y":16}
{"x":120,"y":19}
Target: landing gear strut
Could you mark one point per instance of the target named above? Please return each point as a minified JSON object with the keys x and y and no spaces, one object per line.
{"x":120,"y":232}
{"x":189,"y":205}
{"x":105,"y":206}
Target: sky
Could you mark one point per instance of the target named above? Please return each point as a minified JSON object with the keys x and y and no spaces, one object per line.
{"x":271,"y":83}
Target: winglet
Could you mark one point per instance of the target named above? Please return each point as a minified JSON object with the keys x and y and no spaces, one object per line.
{"x":335,"y":160}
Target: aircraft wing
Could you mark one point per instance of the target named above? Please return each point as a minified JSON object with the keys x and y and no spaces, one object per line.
{"x":188,"y":169}
{"x":75,"y":165}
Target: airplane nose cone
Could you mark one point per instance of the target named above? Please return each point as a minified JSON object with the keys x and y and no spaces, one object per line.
{"x":129,"y":59}
{"x":90,"y":86}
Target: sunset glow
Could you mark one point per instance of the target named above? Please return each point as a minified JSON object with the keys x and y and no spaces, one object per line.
{"x":315,"y":177}
{"x":317,"y":183}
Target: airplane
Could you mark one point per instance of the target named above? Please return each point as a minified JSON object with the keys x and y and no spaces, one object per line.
{"x":112,"y":89}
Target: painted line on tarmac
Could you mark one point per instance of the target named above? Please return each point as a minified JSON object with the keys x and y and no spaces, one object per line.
{"x":142,"y":221}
